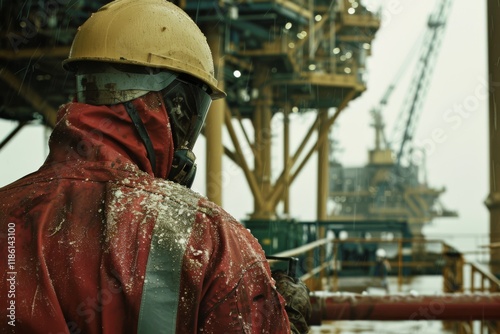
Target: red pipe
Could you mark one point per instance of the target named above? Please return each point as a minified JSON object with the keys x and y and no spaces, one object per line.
{"x":462,"y":307}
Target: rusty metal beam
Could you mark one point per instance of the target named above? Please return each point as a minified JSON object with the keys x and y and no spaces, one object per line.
{"x":247,"y":138}
{"x":231,"y":155}
{"x":53,"y":52}
{"x":493,"y":200}
{"x":214,"y":122}
{"x":262,"y":125}
{"x":240,"y":156}
{"x":286,"y":159}
{"x":283,"y":180}
{"x":323,"y":169}
{"x":278,"y":188}
{"x":323,"y":135}
{"x":405,"y":307}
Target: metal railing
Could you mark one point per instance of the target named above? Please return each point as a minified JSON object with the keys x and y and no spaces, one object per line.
{"x":320,"y":264}
{"x":488,"y":283}
{"x":322,"y":256}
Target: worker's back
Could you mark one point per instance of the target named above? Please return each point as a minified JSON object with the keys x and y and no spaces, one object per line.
{"x":99,"y":246}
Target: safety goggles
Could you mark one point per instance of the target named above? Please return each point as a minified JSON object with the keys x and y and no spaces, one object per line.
{"x":187,"y":104}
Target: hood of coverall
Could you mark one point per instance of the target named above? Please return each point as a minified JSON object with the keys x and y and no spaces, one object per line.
{"x":106,"y":133}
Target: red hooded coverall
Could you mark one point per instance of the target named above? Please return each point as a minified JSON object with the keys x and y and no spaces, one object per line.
{"x":96,"y":241}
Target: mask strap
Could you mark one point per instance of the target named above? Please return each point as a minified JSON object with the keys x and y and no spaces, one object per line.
{"x":183,"y":168}
{"x":143,"y":133}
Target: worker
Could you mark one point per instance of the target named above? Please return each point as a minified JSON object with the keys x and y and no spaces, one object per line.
{"x":107,"y":237}
{"x":382,"y":269}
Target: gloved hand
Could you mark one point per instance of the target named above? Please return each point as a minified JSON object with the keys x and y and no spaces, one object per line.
{"x":298,"y":306}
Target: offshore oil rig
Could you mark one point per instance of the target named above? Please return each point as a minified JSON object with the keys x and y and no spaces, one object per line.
{"x":393,"y":185}
{"x":282,"y":57}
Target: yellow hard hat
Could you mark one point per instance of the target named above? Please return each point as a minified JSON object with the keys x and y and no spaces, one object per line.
{"x":152,"y":33}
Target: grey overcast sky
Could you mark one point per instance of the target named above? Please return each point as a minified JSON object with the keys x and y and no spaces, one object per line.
{"x":456,"y":108}
{"x":457,"y":159}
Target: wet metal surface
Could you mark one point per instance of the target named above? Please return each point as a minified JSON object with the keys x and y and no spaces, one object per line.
{"x":424,"y":285}
{"x":348,"y":306}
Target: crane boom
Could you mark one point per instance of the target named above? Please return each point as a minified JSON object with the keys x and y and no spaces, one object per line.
{"x":410,"y":112}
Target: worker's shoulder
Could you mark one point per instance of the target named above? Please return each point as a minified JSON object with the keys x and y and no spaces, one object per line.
{"x":156,"y":191}
{"x":168,"y":194}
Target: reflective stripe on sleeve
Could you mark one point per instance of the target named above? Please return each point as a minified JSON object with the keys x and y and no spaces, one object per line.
{"x":160,"y":296}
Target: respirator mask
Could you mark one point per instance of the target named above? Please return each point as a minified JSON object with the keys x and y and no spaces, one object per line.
{"x":187,"y":102}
